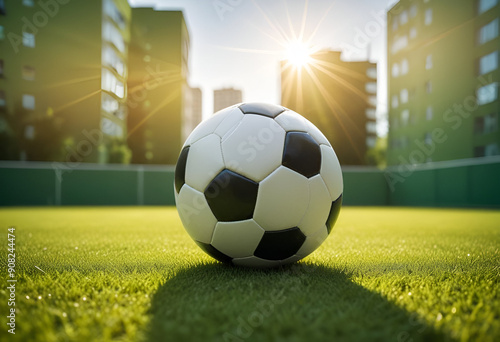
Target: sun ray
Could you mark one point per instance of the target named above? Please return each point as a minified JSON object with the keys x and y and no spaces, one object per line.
{"x":162,"y":104}
{"x":342,"y":81}
{"x":304,"y":19}
{"x":69,"y":104}
{"x":313,"y":34}
{"x":163,"y":81}
{"x":281,"y":32}
{"x":71,"y":82}
{"x":332,"y":105}
{"x":336,"y":67}
{"x":264,"y":52}
{"x":289,"y":20}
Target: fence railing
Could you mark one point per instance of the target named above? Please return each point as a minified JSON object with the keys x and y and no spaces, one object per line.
{"x":462,"y":183}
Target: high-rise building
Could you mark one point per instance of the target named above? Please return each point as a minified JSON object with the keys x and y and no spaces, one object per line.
{"x":339,"y":97}
{"x":192,"y":111}
{"x":63,"y":74}
{"x":226,"y":97}
{"x":157,"y":83}
{"x":443,"y":77}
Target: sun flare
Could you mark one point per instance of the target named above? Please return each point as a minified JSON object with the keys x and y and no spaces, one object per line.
{"x":298,"y":53}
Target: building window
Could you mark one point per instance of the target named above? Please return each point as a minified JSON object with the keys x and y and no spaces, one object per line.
{"x":404,"y":66}
{"x":491,"y":123}
{"x":371,"y":141}
{"x":403,"y":17}
{"x":28,"y":73}
{"x":405,"y":117}
{"x":395,"y":70}
{"x":371,"y":72}
{"x":488,"y":32}
{"x":2,"y":33}
{"x":2,"y":7}
{"x":395,"y":24}
{"x":413,"y":33}
{"x":28,"y":101}
{"x":428,"y":16}
{"x":110,"y":83}
{"x":395,"y":102}
{"x":428,"y":138}
{"x":403,"y":94}
{"x":488,"y":63}
{"x":429,"y":113}
{"x":428,"y":62}
{"x":486,"y":124}
{"x":111,"y":128}
{"x":399,"y":44}
{"x":112,"y":11}
{"x":491,"y":150}
{"x":2,"y":98}
{"x":413,"y":11}
{"x":29,"y":3}
{"x":111,"y":34}
{"x":371,"y":127}
{"x":428,"y":87}
{"x":111,"y":59}
{"x":371,"y":87}
{"x":109,"y":103}
{"x":487,"y":93}
{"x":371,"y":113}
{"x":28,"y":39}
{"x":29,"y":132}
{"x":486,"y":5}
{"x":1,"y":68}
{"x":372,"y":100}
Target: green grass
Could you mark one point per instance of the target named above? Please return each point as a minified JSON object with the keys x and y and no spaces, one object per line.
{"x":388,"y":274}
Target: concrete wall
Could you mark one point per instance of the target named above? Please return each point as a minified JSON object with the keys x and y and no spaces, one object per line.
{"x":467,"y":183}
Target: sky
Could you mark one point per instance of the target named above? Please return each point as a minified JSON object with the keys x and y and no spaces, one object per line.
{"x":239,"y":43}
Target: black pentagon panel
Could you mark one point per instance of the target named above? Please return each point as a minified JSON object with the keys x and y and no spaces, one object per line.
{"x":214,"y":252}
{"x":280,"y":244}
{"x":231,"y":196}
{"x":334,"y":213}
{"x":302,"y":154}
{"x":265,"y":109}
{"x":180,"y":169}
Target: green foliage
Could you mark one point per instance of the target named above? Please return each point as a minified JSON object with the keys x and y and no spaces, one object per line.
{"x":119,"y":152}
{"x":133,"y":274}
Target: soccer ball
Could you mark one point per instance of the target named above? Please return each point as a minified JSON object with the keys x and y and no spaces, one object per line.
{"x":258,"y":185}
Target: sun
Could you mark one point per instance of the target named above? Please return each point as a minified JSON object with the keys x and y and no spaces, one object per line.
{"x":298,"y":53}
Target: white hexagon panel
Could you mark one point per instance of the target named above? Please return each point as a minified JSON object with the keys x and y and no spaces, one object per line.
{"x":204,"y":162}
{"x":255,"y":147}
{"x":238,"y":239}
{"x":258,"y":185}
{"x":282,"y":200}
{"x":195,"y":214}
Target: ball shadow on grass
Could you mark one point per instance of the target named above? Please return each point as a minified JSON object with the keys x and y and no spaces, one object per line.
{"x":302,"y":302}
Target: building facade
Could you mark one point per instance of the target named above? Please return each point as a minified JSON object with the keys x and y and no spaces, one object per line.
{"x":443,"y":78}
{"x":63,"y":75}
{"x":226,"y":97}
{"x":192,"y":112}
{"x":157,"y":83}
{"x":339,"y":97}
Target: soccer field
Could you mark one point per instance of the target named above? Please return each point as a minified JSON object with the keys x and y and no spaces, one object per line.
{"x":133,"y":273}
